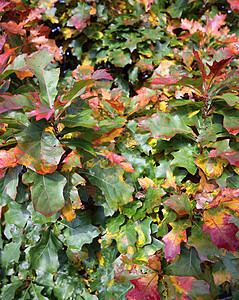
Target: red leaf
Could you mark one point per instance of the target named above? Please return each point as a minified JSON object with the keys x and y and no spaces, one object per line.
{"x":192,"y":26}
{"x":2,"y":5}
{"x":42,"y":111}
{"x":174,"y":238}
{"x":228,"y":198}
{"x":5,"y":56}
{"x":101,"y":74}
{"x":115,"y":158}
{"x":146,"y":288}
{"x":181,"y":204}
{"x":108,"y":136}
{"x":234,"y":4}
{"x":222,"y":232}
{"x":166,"y":80}
{"x":224,"y":150}
{"x":2,"y":40}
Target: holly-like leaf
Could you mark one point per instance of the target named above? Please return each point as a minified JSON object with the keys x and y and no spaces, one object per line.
{"x":48,"y":79}
{"x":223,"y":150}
{"x":181,"y":204}
{"x":184,"y":158}
{"x":188,"y":264}
{"x":110,"y":181}
{"x":174,"y":238}
{"x":222,"y":232}
{"x":43,"y":256}
{"x":80,"y":231}
{"x":46,"y":191}
{"x":227,"y":198}
{"x":38,"y":149}
{"x":162,"y":125}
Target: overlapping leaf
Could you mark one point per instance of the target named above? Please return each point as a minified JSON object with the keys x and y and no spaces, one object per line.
{"x":38,"y":149}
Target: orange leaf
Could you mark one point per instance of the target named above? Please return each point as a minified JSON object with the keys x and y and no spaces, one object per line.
{"x":7,"y":158}
{"x":170,"y":180}
{"x":108,"y":136}
{"x":228,"y":198}
{"x":146,"y":182}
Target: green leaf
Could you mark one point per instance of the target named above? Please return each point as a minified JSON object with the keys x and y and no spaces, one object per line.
{"x":35,"y":292}
{"x":201,"y":240}
{"x":4,"y":198}
{"x":38,"y":149}
{"x":83,"y":119}
{"x":181,"y":204}
{"x":143,"y":231}
{"x":11,"y":252}
{"x":111,"y":182}
{"x":187,"y":265}
{"x":67,"y":99}
{"x":80,"y":231}
{"x":185,"y":158}
{"x":126,"y":238}
{"x":46,"y":191}
{"x":11,"y":181}
{"x":120,"y":58}
{"x":48,"y":79}
{"x":16,"y":214}
{"x":8,"y":291}
{"x":43,"y":256}
{"x":230,"y":98}
{"x":165,"y":126}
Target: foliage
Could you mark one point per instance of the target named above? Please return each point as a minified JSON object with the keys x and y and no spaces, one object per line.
{"x":119,"y":150}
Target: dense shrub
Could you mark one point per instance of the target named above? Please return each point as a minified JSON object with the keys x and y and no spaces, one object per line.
{"x":119,"y":149}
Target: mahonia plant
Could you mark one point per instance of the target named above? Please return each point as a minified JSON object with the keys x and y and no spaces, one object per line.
{"x":119,"y":173}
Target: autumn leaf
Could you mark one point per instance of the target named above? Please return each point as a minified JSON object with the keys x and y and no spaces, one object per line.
{"x":38,"y":149}
{"x":7,"y":158}
{"x":174,"y":238}
{"x":146,"y":287}
{"x":227,"y":198}
{"x":211,"y":166}
{"x":181,"y":204}
{"x":118,"y":159}
{"x":234,"y":4}
{"x":72,"y":160}
{"x":108,"y":136}
{"x":222,"y":232}
{"x":187,"y":287}
{"x":223,"y":149}
{"x":170,"y":180}
{"x":146,"y":182}
{"x":80,"y":16}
